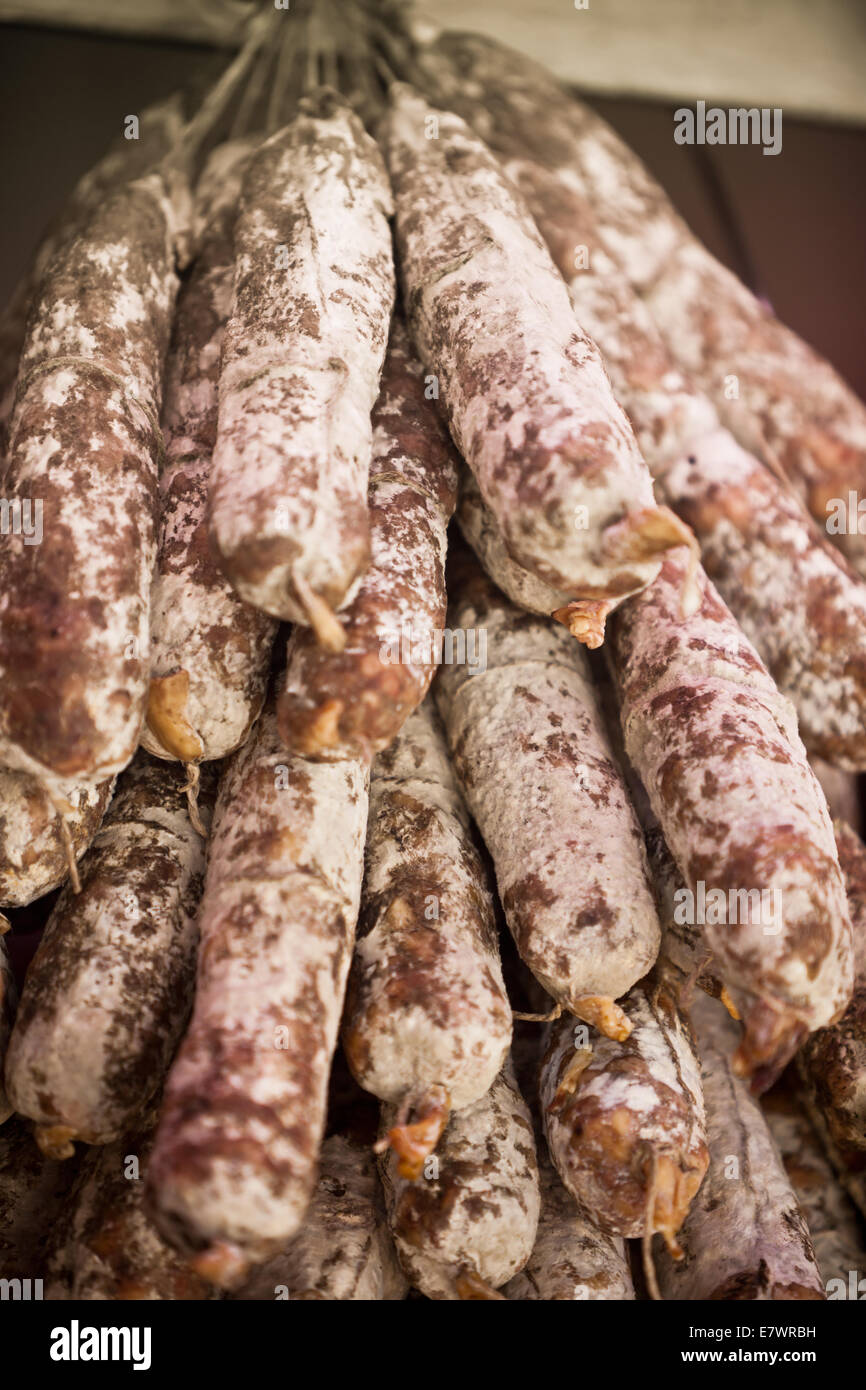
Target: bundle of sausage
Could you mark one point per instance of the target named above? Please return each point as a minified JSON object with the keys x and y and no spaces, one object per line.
{"x":790,"y":589}
{"x":778,"y":397}
{"x":200,"y":376}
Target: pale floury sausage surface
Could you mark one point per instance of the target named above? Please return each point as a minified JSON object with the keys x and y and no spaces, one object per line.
{"x":716,"y":747}
{"x":159,"y":128}
{"x":684,"y":950}
{"x":572,"y":1258}
{"x":745,"y":1237}
{"x":344,"y":1250}
{"x":234,"y":1163}
{"x":476,"y":1217}
{"x":34,"y":857}
{"x":210,"y":652}
{"x":791,"y":591}
{"x":302,"y":353}
{"x":109,"y":990}
{"x":527,"y":397}
{"x":85,"y":444}
{"x":426,"y":1010}
{"x":481,"y":529}
{"x":796,"y":599}
{"x":352,"y":703}
{"x":625,"y":1120}
{"x":788,"y":404}
{"x":539,"y":777}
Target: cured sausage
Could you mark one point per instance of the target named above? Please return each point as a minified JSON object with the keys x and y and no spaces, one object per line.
{"x":343,"y":1250}
{"x":159,"y":128}
{"x":470,"y":1226}
{"x":426,"y":1011}
{"x":625,"y":1120}
{"x":84,"y":451}
{"x":481,"y":530}
{"x":684,"y":951}
{"x":84,"y":447}
{"x":572,"y":1258}
{"x":745,"y":1237}
{"x":352,"y":703}
{"x":535,"y":766}
{"x":108,"y":992}
{"x":779,"y":397}
{"x":528,"y":401}
{"x":36,"y":843}
{"x":716,"y":747}
{"x":109,"y":1250}
{"x":234,"y":1161}
{"x":794,"y":596}
{"x":302,"y":354}
{"x":84,"y":444}
{"x":833,"y":1226}
{"x":210,"y":652}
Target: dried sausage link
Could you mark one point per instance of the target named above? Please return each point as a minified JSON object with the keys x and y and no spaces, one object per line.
{"x":352,"y":703}
{"x":745,"y":1236}
{"x":109,"y":990}
{"x":234,"y":1162}
{"x":528,"y":401}
{"x":344,"y":1250}
{"x":302,"y":354}
{"x":426,"y":1008}
{"x":85,"y":446}
{"x":210,"y":652}
{"x":625,"y":1120}
{"x":539,"y":777}
{"x":716,"y":747}
{"x":469,"y":1225}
